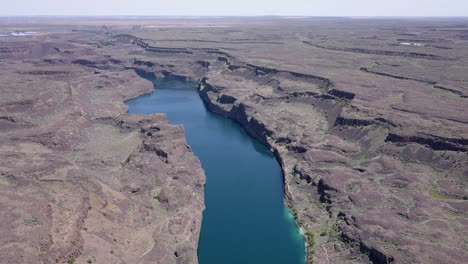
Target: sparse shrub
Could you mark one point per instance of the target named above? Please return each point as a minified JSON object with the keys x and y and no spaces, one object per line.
{"x":311,"y":241}
{"x":31,"y":221}
{"x":311,"y":238}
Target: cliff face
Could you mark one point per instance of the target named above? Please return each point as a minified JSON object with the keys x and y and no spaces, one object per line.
{"x":81,"y":181}
{"x":353,"y":183}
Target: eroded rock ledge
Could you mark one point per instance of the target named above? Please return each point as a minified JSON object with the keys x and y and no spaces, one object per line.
{"x":84,"y":182}
{"x":341,"y":176}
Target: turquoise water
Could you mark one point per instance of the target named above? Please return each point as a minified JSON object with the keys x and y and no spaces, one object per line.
{"x":245,"y":220}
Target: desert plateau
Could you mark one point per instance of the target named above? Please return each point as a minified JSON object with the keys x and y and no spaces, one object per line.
{"x":365,"y":119}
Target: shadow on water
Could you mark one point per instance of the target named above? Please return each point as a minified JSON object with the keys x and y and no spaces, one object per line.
{"x":245,"y":220}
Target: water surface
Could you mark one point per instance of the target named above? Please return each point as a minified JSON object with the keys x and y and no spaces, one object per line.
{"x":245,"y":220}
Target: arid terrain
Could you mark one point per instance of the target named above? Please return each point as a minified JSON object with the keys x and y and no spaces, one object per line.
{"x":368,"y":118}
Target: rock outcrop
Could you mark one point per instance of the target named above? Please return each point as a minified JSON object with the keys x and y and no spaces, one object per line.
{"x":81,"y":180}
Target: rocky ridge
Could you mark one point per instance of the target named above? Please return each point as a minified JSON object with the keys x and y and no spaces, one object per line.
{"x":82,"y":181}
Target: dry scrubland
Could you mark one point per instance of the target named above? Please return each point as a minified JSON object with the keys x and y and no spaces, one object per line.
{"x":367,"y":117}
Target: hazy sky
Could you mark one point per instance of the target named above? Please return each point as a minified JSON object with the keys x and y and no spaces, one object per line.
{"x":236,"y":7}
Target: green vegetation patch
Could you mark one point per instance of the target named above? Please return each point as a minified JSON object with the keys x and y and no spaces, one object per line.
{"x":4,"y":182}
{"x":311,"y":249}
{"x":437,"y":195}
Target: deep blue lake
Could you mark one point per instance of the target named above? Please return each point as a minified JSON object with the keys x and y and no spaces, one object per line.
{"x":246,"y":220}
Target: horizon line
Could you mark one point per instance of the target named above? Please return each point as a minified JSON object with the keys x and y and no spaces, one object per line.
{"x":230,"y":16}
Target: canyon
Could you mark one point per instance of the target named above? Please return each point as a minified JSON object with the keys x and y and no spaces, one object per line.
{"x":371,"y":134}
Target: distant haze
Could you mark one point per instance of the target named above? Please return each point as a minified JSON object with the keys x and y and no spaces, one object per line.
{"x":235,"y":7}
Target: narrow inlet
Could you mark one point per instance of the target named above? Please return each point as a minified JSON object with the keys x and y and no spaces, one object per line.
{"x":246,"y":220}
